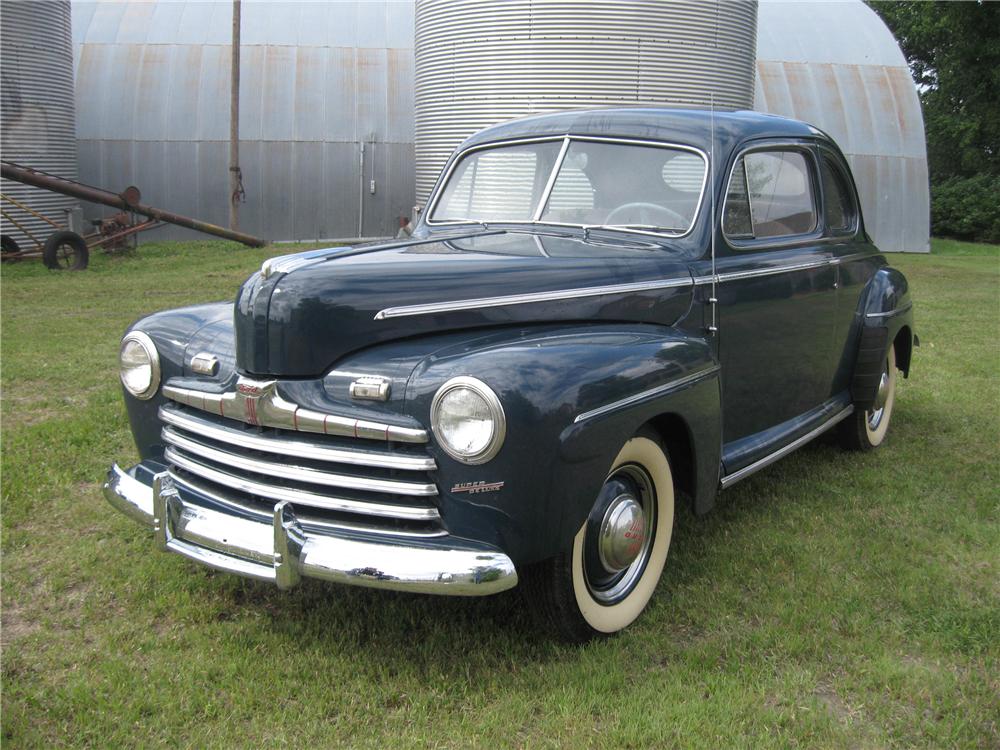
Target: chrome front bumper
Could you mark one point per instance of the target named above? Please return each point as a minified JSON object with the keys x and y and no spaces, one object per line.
{"x":283,"y":551}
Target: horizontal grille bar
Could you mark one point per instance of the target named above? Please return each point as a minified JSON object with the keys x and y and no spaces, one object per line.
{"x":308,"y":520}
{"x":296,"y":448}
{"x":277,"y":493}
{"x":295,"y":473}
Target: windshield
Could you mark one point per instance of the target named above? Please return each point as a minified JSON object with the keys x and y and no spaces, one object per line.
{"x":577,"y":182}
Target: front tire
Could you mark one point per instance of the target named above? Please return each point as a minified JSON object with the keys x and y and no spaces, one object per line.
{"x":866,"y":429}
{"x":605,"y":578}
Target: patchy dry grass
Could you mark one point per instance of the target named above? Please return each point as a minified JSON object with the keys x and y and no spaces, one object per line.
{"x":833,"y":600}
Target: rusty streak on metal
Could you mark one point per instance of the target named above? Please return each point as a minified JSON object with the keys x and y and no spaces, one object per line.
{"x":61,"y":185}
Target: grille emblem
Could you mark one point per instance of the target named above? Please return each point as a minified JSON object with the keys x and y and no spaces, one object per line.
{"x":250,"y":393}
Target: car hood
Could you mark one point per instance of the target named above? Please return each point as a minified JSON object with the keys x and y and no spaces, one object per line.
{"x":304,"y":312}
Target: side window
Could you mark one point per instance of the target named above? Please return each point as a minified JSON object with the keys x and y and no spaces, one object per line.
{"x":838,"y":209}
{"x":770,"y":195}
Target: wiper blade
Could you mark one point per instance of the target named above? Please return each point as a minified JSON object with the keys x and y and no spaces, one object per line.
{"x":647,"y":227}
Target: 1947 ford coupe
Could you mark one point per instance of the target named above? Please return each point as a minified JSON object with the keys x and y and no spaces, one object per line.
{"x":598,"y":312}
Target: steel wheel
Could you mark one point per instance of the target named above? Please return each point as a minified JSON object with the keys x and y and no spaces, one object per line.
{"x":603,"y":582}
{"x":865,"y":430}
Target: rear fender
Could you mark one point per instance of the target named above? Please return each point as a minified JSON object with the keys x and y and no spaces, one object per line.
{"x":885,"y":316}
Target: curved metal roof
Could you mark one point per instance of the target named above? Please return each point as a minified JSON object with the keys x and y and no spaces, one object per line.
{"x":837,"y":66}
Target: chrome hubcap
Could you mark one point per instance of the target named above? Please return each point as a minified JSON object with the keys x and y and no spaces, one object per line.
{"x":881,"y":396}
{"x":620,"y":532}
{"x":622,"y":535}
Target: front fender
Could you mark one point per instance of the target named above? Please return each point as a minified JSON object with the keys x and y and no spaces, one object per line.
{"x":572,"y":396}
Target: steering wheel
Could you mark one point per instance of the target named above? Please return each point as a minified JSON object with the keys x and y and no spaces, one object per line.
{"x":645,"y":213}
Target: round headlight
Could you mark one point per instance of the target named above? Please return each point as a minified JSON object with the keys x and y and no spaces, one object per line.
{"x":140,"y":365}
{"x":468,"y":420}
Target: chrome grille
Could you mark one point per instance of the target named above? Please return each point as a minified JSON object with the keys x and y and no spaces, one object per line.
{"x":334,"y":478}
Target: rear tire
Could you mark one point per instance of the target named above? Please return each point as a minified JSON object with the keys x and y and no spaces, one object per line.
{"x":865,"y":430}
{"x":578,"y":593}
{"x":65,"y":251}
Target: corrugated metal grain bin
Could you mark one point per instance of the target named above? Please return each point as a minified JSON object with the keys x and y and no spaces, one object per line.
{"x":37,"y":124}
{"x":319,"y":83}
{"x":837,"y":66}
{"x":479,"y":62}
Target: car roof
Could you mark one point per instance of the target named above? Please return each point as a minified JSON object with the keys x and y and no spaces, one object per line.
{"x":687,"y":126}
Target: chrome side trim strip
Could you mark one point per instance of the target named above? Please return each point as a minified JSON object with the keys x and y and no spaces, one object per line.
{"x":890,"y":313}
{"x":771,"y":271}
{"x":273,"y":492}
{"x":660,"y":390}
{"x":731,"y":479}
{"x":297,"y":473}
{"x":300,"y":448}
{"x":524,"y":299}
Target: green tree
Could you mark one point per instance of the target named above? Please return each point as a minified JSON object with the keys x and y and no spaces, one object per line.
{"x":953,"y":49}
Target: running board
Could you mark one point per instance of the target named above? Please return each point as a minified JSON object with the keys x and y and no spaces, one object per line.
{"x":730,"y":479}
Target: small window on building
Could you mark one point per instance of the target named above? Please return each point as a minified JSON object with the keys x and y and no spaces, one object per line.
{"x":770,"y":195}
{"x":838,"y":210}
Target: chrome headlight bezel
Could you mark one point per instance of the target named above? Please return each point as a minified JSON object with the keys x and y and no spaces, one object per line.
{"x":147,"y":345}
{"x":495,"y":408}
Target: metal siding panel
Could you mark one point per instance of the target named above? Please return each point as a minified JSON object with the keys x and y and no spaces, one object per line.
{"x":164,"y":27}
{"x":181,"y":168}
{"x":371,"y":72}
{"x":916,"y":229}
{"x":149,"y":174}
{"x":399,"y":96}
{"x":253,"y":213}
{"x":213,"y":183}
{"x":341,"y":94}
{"x":276,"y":181}
{"x":340,"y":170}
{"x":213,"y":95}
{"x":219,"y":29}
{"x":885,"y":131}
{"x":342,"y":30}
{"x":252,"y":92}
{"x":371,"y":33}
{"x":82,"y":15}
{"x":311,"y":67}
{"x":400,"y":180}
{"x":103,"y":28}
{"x":909,"y":118}
{"x":185,"y":75}
{"x":399,"y":25}
{"x":278,"y":95}
{"x":89,"y":89}
{"x":314,"y":21}
{"x":152,"y":85}
{"x":134,"y":24}
{"x":309,"y":215}
{"x":194,"y":24}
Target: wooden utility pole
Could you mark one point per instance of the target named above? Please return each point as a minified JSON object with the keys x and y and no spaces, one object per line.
{"x":235,"y":176}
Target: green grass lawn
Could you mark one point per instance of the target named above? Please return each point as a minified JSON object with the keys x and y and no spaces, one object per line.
{"x":832,"y":600}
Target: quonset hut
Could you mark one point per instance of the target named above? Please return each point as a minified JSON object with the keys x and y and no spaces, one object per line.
{"x":342,"y":130}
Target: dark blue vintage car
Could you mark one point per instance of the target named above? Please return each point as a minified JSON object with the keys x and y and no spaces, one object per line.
{"x":599,"y":312}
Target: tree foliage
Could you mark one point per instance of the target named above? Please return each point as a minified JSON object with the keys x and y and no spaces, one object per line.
{"x":953,"y":49}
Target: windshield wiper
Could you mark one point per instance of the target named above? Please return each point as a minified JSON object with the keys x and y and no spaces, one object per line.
{"x":647,"y":227}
